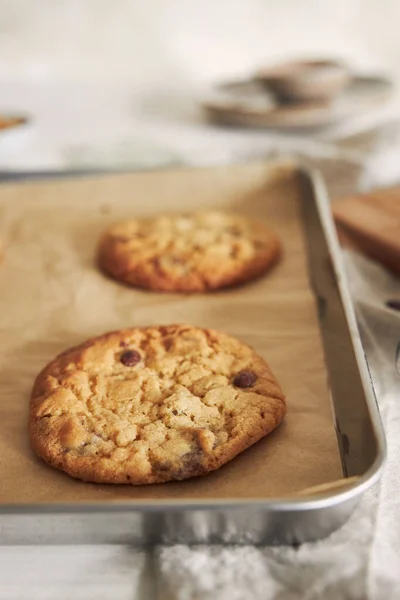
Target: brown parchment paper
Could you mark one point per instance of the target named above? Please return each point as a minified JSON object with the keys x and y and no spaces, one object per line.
{"x":52,"y":296}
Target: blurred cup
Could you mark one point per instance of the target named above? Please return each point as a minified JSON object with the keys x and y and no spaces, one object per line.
{"x":305,"y":80}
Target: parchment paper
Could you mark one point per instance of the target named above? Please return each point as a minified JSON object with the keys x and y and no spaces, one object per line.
{"x":52,"y":296}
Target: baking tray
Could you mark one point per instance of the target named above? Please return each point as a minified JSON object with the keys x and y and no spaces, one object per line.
{"x":288,"y":488}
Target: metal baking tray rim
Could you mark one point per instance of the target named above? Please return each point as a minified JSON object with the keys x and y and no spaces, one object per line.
{"x":281,"y":505}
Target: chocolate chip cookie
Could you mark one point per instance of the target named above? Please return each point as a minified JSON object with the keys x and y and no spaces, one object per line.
{"x":192,"y":253}
{"x":154,"y":404}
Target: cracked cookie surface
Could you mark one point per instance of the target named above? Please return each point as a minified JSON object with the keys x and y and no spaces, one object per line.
{"x":149,"y":405}
{"x":188,"y":253}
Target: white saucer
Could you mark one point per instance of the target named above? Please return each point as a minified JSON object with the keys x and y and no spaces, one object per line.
{"x":248,"y":104}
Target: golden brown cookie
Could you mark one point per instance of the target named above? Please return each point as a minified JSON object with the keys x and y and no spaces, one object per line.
{"x":188,"y":253}
{"x":153,"y":404}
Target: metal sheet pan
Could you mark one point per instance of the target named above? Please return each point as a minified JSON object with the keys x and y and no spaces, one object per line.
{"x":288,"y":518}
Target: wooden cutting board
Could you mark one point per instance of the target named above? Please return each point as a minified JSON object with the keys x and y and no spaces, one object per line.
{"x":370,"y":223}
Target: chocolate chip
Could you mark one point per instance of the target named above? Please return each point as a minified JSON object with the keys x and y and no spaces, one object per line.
{"x":393,"y":304}
{"x":130,"y":358}
{"x":191,"y":465}
{"x":245,"y":379}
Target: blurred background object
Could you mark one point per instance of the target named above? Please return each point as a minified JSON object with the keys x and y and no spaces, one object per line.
{"x":318,"y":80}
{"x":133,"y":75}
{"x":370,"y":224}
{"x":298,"y":100}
